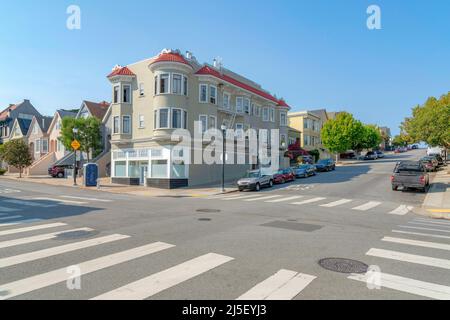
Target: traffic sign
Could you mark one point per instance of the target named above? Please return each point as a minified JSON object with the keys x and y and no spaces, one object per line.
{"x":75,"y":145}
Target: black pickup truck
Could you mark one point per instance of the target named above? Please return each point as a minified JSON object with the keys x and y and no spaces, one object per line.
{"x":410,"y":174}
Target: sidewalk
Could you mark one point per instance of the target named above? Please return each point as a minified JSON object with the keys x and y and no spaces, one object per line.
{"x":107,"y":186}
{"x":437,"y":201}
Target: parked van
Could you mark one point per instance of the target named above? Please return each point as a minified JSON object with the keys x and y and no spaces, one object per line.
{"x":435,"y":150}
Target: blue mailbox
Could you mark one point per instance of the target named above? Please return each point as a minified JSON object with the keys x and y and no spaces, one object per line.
{"x":90,"y":174}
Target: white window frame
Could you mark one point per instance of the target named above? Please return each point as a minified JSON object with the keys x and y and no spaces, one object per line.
{"x":141,"y":89}
{"x":159,"y":118}
{"x":211,"y":95}
{"x":272,"y":114}
{"x":240,"y":104}
{"x":141,"y":122}
{"x":185,"y":88}
{"x":173,"y":83}
{"x":215,"y":122}
{"x":200,"y":86}
{"x":283,"y":123}
{"x":181,"y":118}
{"x":129,"y":124}
{"x":168,"y":89}
{"x":37,"y":146}
{"x":227,"y":105}
{"x":246,"y":105}
{"x":265,"y":114}
{"x":42,"y":145}
{"x":116,"y":128}
{"x":129,"y":93}
{"x":201,"y":129}
{"x":117,"y":86}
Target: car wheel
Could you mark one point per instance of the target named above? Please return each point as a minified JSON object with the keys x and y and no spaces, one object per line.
{"x":270,"y":183}
{"x":60,"y":175}
{"x":257,"y":187}
{"x":395,"y":188}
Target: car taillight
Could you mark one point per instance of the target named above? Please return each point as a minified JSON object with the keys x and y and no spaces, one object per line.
{"x":422,"y":179}
{"x":392,"y":178}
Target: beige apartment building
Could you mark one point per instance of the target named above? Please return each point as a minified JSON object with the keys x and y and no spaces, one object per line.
{"x":310,"y":125}
{"x":154,"y":97}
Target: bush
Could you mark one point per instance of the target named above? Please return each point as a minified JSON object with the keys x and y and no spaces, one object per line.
{"x":2,"y":171}
{"x":315,"y":154}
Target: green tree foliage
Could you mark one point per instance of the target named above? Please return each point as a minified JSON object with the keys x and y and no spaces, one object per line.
{"x":17,"y":154}
{"x":430,"y":122}
{"x":89,"y":134}
{"x":342,"y":133}
{"x":402,"y":140}
{"x":315,"y":154}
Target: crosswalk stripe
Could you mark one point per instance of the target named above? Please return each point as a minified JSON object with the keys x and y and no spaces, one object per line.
{"x":33,"y":228}
{"x":284,"y":199}
{"x":6,"y":209}
{"x":42,"y":237}
{"x":88,"y":199}
{"x":163,"y":280}
{"x":424,"y":244}
{"x":401,"y":210}
{"x":240,"y":197}
{"x":406,"y":257}
{"x":263,"y":198}
{"x":43,"y":280}
{"x":430,"y":225}
{"x":336,"y":203}
{"x":45,"y":253}
{"x":367,"y":206}
{"x":14,"y":223}
{"x":283,"y":285}
{"x":422,"y":228}
{"x":59,"y":200}
{"x":412,"y":286}
{"x":28,"y":203}
{"x":445,"y":223}
{"x":309,"y":201}
{"x":10,"y":217}
{"x":422,"y":234}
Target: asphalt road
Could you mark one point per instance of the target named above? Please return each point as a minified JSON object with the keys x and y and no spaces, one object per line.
{"x":244,"y":245}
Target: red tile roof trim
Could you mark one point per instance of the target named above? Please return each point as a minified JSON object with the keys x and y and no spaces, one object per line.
{"x":170,"y":57}
{"x":123,"y":71}
{"x":210,"y":71}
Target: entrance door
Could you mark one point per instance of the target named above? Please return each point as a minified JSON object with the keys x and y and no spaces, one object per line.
{"x":143,"y":174}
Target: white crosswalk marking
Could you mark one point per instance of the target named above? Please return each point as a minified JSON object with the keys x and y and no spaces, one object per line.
{"x":10,"y":218}
{"x":336,"y":203}
{"x":45,"y":253}
{"x":422,"y":228}
{"x":6,"y":209}
{"x":42,"y":237}
{"x":87,"y":199}
{"x":40,"y":281}
{"x":422,"y":234}
{"x":163,"y":280}
{"x":402,"y":210}
{"x":367,"y":206}
{"x":406,"y":257}
{"x":309,"y":201}
{"x":430,"y":224}
{"x":284,"y":199}
{"x":58,"y":200}
{"x":416,"y":287}
{"x":424,"y":244}
{"x":8,"y":224}
{"x":33,"y":228}
{"x":240,"y":197}
{"x":28,"y":203}
{"x":441,"y":222}
{"x":284,"y":285}
{"x":262,"y":198}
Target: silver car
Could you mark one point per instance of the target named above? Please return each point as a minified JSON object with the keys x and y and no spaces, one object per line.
{"x":255,"y":180}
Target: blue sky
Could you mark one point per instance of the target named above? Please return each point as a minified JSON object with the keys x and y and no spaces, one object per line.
{"x":315,"y":54}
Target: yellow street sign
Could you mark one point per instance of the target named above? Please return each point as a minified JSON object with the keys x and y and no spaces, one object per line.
{"x":75,"y":145}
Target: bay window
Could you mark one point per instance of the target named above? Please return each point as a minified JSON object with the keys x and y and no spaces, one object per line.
{"x":247,"y":105}
{"x":226,"y":100}
{"x":185,"y":119}
{"x":176,"y":118}
{"x":283,"y":119}
{"x":239,"y":104}
{"x":265,"y":114}
{"x":116,"y":94}
{"x":116,"y":125}
{"x":170,"y":118}
{"x":272,"y":114}
{"x":126,"y":124}
{"x":185,"y":86}
{"x":203,"y":96}
{"x":213,"y":94}
{"x":126,"y":93}
{"x":176,"y":83}
{"x":163,"y":118}
{"x":164,"y":83}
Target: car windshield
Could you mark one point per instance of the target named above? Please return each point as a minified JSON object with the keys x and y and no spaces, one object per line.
{"x":322,"y":162}
{"x":408,"y":166}
{"x":252,"y":175}
{"x":286,"y":171}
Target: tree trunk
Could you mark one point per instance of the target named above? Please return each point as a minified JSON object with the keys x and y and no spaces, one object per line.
{"x":20,"y":172}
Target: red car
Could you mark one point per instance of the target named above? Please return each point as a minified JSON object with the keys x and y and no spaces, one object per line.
{"x":284,"y":175}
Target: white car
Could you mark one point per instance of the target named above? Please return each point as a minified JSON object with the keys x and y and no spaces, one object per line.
{"x":434,"y":150}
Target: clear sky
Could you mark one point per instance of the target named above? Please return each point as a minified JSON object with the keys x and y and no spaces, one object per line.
{"x":315,"y":54}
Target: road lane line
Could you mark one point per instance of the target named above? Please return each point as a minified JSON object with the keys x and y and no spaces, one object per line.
{"x":406,"y":257}
{"x":28,"y":203}
{"x":241,"y":197}
{"x":263,"y":198}
{"x":422,"y":234}
{"x":444,"y":223}
{"x":168,"y":278}
{"x":283,"y":285}
{"x":10,"y":217}
{"x":424,"y":244}
{"x":14,"y":223}
{"x":284,"y":199}
{"x":42,"y":237}
{"x":309,"y":201}
{"x":43,"y":280}
{"x":428,"y":229}
{"x":367,"y":206}
{"x":336,"y":203}
{"x":412,"y":286}
{"x":88,"y":199}
{"x":59,"y":200}
{"x":45,"y":253}
{"x":402,"y":210}
{"x":430,"y":225}
{"x":33,"y":228}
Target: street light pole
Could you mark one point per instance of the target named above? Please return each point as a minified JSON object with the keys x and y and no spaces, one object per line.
{"x":224,"y":131}
{"x":75,"y":131}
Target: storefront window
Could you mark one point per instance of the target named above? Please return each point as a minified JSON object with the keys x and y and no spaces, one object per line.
{"x":178,"y":170}
{"x":120,"y":168}
{"x":133,"y":169}
{"x":159,"y":169}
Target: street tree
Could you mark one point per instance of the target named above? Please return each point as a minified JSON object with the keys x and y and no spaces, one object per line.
{"x":17,"y":154}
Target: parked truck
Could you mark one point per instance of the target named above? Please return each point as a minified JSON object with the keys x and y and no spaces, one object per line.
{"x":410,"y":174}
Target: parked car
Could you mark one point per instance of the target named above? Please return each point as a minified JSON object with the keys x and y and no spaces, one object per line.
{"x":380,"y":154}
{"x":415,"y":146}
{"x":428,"y":164}
{"x":283,"y":176}
{"x":438,"y":158}
{"x":434,"y":150}
{"x":58,"y":171}
{"x":348,"y":155}
{"x":304,"y":170}
{"x":410,"y":174}
{"x":325,"y":165}
{"x":371,"y":155}
{"x":433,"y":160}
{"x":255,"y":180}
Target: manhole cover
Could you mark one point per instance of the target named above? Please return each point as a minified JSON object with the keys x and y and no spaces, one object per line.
{"x":208,"y":210}
{"x":342,"y":265}
{"x":76,"y":235}
{"x":204,"y":219}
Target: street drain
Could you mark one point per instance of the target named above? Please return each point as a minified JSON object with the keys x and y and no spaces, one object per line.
{"x":342,"y":265}
{"x":76,"y":235}
{"x":208,"y":211}
{"x":204,"y":219}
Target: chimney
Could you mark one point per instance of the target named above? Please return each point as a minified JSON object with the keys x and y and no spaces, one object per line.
{"x":43,"y":123}
{"x":26,"y":100}
{"x":189,"y":55}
